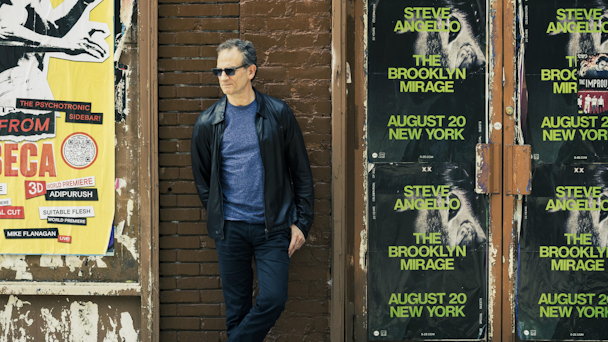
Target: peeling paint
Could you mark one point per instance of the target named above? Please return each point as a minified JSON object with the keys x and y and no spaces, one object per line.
{"x":127,"y":241}
{"x":51,"y":261}
{"x":98,"y":260}
{"x":120,"y":184}
{"x":129,"y":211}
{"x":16,"y":263}
{"x":6,"y":321}
{"x":363,"y":250}
{"x":83,"y":321}
{"x":73,"y":262}
{"x":53,"y":327}
{"x":127,"y":332}
{"x":111,"y":334}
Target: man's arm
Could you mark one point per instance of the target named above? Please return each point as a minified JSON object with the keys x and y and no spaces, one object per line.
{"x":299,"y":168}
{"x":201,"y":160}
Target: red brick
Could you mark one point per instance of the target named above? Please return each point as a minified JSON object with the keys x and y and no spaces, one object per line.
{"x":271,"y":74}
{"x":179,"y":296}
{"x":178,"y":78}
{"x":182,"y":159}
{"x":175,"y":105}
{"x":168,"y":336}
{"x":211,"y":296}
{"x":179,"y":242}
{"x":198,"y":24}
{"x":252,"y":23}
{"x":168,"y":228}
{"x":179,"y":214}
{"x":177,"y":187}
{"x":263,"y":8}
{"x":189,"y":201}
{"x":167,"y":283}
{"x":227,"y":10}
{"x":213,"y":323}
{"x":186,"y":64}
{"x":185,"y":323}
{"x":197,"y":336}
{"x":186,"y":173}
{"x":313,"y":307}
{"x":198,"y":283}
{"x":167,"y":119}
{"x":197,"y":310}
{"x":187,"y":118}
{"x":168,"y":310}
{"x":168,"y":201}
{"x":167,"y":146}
{"x":288,"y":57}
{"x":196,"y":255}
{"x":175,"y":132}
{"x":207,"y":242}
{"x":192,"y":228}
{"x":315,"y":73}
{"x":173,"y":269}
{"x":321,"y":173}
{"x":288,"y":24}
{"x":264,"y":42}
{"x":210,"y":269}
{"x":319,"y":157}
{"x":313,"y":7}
{"x":167,"y":256}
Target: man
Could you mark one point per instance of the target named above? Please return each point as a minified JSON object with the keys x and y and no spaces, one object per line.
{"x":600,"y":104}
{"x":599,"y":70}
{"x":587,"y":109}
{"x":247,"y":153}
{"x":594,"y":105}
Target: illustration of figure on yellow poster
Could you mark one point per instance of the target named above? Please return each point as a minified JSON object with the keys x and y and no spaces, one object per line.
{"x":31,"y":32}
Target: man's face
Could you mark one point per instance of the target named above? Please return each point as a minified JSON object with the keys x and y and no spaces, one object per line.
{"x":457,"y":50}
{"x":458,"y":227}
{"x":240,"y":82}
{"x":602,"y":65}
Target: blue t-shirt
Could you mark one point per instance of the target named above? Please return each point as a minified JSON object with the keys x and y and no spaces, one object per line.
{"x":242,"y":173}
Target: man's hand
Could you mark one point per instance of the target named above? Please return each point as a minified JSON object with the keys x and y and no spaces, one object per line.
{"x":297,"y":239}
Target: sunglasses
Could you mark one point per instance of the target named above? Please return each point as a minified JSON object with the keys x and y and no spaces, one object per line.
{"x":229,"y":71}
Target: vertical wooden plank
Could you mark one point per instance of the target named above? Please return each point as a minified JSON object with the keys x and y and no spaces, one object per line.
{"x":509,"y":236}
{"x":495,"y":247}
{"x":339,"y":152}
{"x":148,"y":185}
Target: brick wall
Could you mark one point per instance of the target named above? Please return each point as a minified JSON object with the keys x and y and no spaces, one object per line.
{"x":293,"y":44}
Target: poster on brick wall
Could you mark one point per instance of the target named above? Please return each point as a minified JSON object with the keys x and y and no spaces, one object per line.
{"x":56,"y":126}
{"x":562,"y":293}
{"x":427,"y":253}
{"x":566,"y":76}
{"x":427,"y":80}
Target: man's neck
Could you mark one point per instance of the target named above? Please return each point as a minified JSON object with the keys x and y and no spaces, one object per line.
{"x":242,"y":99}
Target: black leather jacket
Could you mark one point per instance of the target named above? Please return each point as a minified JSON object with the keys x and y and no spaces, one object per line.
{"x":284,"y":159}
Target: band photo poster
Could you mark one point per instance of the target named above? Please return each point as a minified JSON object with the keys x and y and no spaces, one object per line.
{"x":57,"y":155}
{"x":427,"y":253}
{"x":566,"y":75}
{"x":427,"y":80}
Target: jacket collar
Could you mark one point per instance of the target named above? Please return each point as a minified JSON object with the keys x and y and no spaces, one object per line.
{"x":220,"y":108}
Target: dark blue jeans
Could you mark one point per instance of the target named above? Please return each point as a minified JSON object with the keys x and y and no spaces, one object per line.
{"x":242,"y":241}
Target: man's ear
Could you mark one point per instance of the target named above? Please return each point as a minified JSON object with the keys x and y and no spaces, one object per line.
{"x":251,"y":70}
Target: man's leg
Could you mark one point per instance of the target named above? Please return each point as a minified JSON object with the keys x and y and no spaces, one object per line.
{"x":272,"y":266}
{"x":234,"y":257}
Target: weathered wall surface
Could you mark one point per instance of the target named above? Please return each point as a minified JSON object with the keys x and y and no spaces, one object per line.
{"x":55,"y":315}
{"x":294,"y":55}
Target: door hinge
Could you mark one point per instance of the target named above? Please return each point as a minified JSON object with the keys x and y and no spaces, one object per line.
{"x":518,"y":166}
{"x":489,"y":166}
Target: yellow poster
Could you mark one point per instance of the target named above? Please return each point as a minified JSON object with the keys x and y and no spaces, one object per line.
{"x":56,"y":126}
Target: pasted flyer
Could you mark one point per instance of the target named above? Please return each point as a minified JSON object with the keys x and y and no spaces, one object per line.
{"x":427,"y":253}
{"x":56,"y":127}
{"x":563,"y":257}
{"x":427,"y":80}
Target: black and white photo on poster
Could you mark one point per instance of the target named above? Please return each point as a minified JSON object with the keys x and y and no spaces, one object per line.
{"x":555,"y":118}
{"x":32,"y":32}
{"x":562,"y":292}
{"x":427,"y":253}
{"x":427,"y":80}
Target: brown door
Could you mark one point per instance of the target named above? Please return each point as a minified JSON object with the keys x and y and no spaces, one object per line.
{"x":442,"y":110}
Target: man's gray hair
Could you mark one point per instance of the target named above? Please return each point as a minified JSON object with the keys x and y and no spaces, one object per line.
{"x":244,"y":46}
